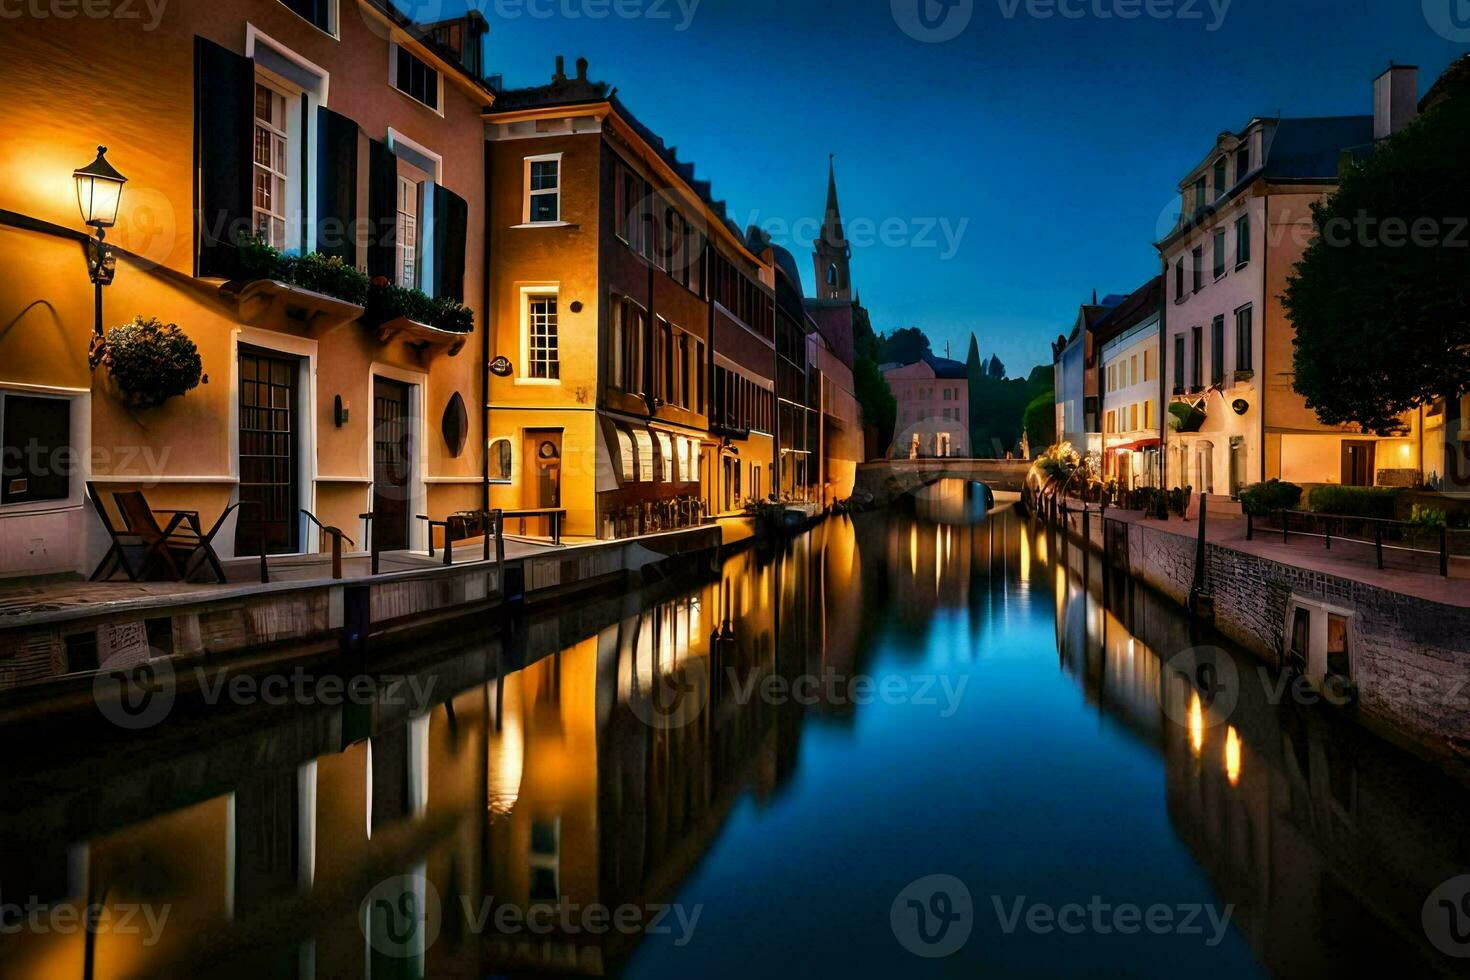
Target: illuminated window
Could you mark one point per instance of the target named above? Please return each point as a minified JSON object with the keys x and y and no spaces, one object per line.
{"x":272,"y":164}
{"x":543,"y":189}
{"x":408,"y":233}
{"x":645,"y":455}
{"x":666,"y":458}
{"x":625,"y":452}
{"x":500,"y":461}
{"x":543,"y":361}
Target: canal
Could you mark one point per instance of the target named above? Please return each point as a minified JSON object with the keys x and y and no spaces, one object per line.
{"x":928,"y":741}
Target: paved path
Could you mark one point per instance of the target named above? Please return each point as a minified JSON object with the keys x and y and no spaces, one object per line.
{"x":1411,"y":574}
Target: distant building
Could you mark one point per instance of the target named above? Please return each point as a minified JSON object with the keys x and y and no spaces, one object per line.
{"x":1076,"y":379}
{"x":933,"y":395}
{"x":1127,"y":342}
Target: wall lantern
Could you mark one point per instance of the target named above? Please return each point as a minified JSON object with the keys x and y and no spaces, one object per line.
{"x":341,"y":412}
{"x":99,"y":192}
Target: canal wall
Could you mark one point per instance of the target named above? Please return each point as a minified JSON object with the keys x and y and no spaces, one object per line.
{"x":1410,"y":655}
{"x":52,"y":654}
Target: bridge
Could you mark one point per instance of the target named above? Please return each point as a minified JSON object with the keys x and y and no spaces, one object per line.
{"x":889,"y":479}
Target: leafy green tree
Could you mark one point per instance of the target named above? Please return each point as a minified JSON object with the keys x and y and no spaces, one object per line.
{"x":1040,"y":422}
{"x":904,"y":346}
{"x":880,"y":408}
{"x":1381,"y":298}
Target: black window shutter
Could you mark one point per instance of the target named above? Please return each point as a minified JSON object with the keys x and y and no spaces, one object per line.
{"x":382,"y":211}
{"x":451,"y":225}
{"x":336,"y":199}
{"x":224,"y":111}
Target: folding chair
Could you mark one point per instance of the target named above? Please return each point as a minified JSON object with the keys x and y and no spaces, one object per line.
{"x":182,"y":539}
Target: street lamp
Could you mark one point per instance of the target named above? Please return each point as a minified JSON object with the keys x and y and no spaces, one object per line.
{"x":99,"y":192}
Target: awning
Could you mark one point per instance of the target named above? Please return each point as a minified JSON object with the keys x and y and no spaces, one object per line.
{"x":1134,"y":447}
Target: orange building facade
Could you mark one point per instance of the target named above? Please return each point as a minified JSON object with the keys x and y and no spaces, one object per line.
{"x":344,"y":132}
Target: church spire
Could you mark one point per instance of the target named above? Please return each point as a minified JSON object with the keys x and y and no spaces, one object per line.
{"x":832,"y":253}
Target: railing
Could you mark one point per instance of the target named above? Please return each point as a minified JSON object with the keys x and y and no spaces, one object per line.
{"x":1380,"y":533}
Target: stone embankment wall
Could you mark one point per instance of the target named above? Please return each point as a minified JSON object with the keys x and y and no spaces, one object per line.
{"x":1411,"y":656}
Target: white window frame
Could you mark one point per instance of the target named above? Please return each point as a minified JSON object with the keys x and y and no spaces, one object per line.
{"x":289,"y":71}
{"x":287,"y":180}
{"x":419,"y":156}
{"x":523,"y":376}
{"x":407,"y":266}
{"x":393,"y":48}
{"x":527,"y":193}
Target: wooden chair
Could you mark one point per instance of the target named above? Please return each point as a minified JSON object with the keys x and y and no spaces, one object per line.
{"x":129,"y":553}
{"x":182,"y":539}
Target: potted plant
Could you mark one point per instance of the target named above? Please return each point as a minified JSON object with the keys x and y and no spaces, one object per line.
{"x":149,"y":362}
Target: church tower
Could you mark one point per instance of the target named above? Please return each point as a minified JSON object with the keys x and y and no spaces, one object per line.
{"x":833,"y":254}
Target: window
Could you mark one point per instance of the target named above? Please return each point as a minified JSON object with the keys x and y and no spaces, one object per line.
{"x":543,"y":190}
{"x":1179,"y":279}
{"x":1112,"y":377}
{"x":1242,"y":162}
{"x":1197,"y":378}
{"x":699,"y":405}
{"x":666,"y":457}
{"x":1221,"y":185}
{"x":1199,"y":194}
{"x":687,"y":368}
{"x":1242,"y":240}
{"x":1148,"y":414}
{"x":272,"y":164}
{"x":38,"y":452}
{"x":1243,"y":331}
{"x":645,"y":455}
{"x":413,"y":78}
{"x":1133,"y":370}
{"x":1217,"y":350}
{"x":542,"y":356}
{"x":628,"y":323}
{"x":1220,"y":254}
{"x":500,"y":461}
{"x":1133,"y":418}
{"x":1150,"y":364}
{"x":1198,"y":257}
{"x":625,"y":453}
{"x":408,"y":233}
{"x":321,"y":13}
{"x":1179,"y":361}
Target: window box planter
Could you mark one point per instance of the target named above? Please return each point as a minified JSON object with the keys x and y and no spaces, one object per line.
{"x":264,"y":302}
{"x":422,"y":336}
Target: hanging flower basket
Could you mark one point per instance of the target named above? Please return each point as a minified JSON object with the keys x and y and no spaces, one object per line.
{"x":149,"y":362}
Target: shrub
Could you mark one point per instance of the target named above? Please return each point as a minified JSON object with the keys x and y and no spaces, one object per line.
{"x":150,"y":362}
{"x":325,"y":274}
{"x":389,"y":302}
{"x":1263,"y":498}
{"x":1379,"y":502}
{"x":1184,"y":417}
{"x":1428,"y":517}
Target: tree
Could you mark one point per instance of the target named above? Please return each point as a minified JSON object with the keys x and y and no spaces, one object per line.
{"x":880,"y":408}
{"x":1380,"y":299}
{"x":1040,"y":421}
{"x":904,"y":346}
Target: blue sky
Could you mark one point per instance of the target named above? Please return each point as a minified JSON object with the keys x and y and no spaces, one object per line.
{"x":1001,"y":175}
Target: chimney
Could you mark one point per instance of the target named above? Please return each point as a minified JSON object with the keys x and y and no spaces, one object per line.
{"x":581,"y":69}
{"x":1395,"y":100}
{"x":561,"y":70}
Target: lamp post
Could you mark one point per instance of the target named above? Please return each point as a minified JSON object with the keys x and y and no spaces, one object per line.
{"x":99,"y":192}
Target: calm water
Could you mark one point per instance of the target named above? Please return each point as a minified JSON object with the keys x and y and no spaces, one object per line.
{"x":755,"y":772}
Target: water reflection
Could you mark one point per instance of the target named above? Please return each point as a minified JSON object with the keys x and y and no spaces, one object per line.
{"x":612,"y":757}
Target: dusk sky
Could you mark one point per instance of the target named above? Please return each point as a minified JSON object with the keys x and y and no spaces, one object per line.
{"x":1047,"y":148}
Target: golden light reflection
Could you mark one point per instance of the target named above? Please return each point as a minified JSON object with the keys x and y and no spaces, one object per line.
{"x":1232,"y":756}
{"x":1041,"y":555}
{"x":507,"y":751}
{"x":1196,"y":724}
{"x":914,"y":550}
{"x":1025,"y":556}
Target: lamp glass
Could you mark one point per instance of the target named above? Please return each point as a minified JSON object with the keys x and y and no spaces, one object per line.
{"x":98,"y":198}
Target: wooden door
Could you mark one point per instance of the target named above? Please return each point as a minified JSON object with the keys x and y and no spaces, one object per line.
{"x":541,"y":472}
{"x":392,"y":465}
{"x":1359,"y":460}
{"x":270,"y":492}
